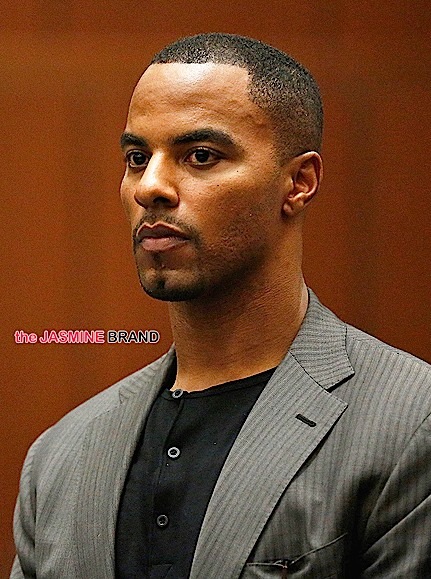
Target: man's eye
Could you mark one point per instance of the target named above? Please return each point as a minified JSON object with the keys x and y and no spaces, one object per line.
{"x":202,"y":157}
{"x":136,"y":159}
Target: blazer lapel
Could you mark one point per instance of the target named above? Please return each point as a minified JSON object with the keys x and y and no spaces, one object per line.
{"x":274,"y":443}
{"x":108,"y":449}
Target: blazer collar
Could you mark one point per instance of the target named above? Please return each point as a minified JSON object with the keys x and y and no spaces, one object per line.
{"x":274,"y":443}
{"x":320,"y":346}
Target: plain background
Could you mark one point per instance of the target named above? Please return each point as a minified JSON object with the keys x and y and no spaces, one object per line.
{"x":67,"y":71}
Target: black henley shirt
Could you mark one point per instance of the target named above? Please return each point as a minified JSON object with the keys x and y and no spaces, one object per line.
{"x":178,"y":459}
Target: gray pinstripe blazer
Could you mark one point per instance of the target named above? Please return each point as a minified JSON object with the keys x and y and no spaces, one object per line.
{"x":346,"y":497}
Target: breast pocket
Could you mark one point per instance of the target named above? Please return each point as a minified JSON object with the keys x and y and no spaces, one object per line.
{"x":325,"y":562}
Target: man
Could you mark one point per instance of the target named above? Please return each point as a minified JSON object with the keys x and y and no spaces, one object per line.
{"x":272,"y":440}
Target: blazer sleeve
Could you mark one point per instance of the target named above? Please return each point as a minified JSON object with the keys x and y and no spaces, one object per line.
{"x":24,"y":565}
{"x":398,"y":530}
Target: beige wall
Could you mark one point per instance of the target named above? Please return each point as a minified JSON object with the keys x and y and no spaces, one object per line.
{"x":67,"y":71}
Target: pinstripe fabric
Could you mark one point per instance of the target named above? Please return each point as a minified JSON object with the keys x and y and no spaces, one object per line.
{"x":348,"y":497}
{"x":72,"y":480}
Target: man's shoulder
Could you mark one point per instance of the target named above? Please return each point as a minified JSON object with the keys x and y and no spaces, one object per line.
{"x":368,"y":352}
{"x":105,"y":400}
{"x":334,"y":352}
{"x":331,"y":334}
{"x":72,"y":426}
{"x":371,"y":376}
{"x":390,"y":389}
{"x":387,"y":390}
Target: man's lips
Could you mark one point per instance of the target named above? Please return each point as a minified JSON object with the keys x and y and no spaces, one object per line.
{"x":160,"y":237}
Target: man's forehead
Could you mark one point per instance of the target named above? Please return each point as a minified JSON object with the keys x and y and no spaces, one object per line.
{"x":192,"y":77}
{"x":190,"y":96}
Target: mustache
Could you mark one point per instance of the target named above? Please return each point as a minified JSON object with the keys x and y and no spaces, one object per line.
{"x":150,"y":219}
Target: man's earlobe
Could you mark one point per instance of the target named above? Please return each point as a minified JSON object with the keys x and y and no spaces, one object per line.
{"x":305,"y":174}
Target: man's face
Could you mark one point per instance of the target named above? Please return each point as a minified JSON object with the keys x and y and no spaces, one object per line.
{"x":203,"y":183}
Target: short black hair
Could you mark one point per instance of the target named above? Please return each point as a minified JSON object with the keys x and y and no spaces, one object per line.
{"x":279,"y":85}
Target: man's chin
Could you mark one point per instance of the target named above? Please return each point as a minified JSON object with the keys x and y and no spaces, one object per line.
{"x":162,"y":291}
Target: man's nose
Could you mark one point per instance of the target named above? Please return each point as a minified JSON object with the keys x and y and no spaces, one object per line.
{"x":157,"y":184}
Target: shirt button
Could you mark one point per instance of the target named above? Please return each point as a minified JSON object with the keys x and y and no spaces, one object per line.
{"x":162,"y":521}
{"x":174,"y":452}
{"x":177,"y":393}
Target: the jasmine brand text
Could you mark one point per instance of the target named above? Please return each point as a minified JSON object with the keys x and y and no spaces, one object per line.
{"x":88,"y":337}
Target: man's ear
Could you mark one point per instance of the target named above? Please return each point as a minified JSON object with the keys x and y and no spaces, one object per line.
{"x":303,"y":176}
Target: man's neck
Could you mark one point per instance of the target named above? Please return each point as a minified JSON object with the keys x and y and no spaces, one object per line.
{"x":231,"y":338}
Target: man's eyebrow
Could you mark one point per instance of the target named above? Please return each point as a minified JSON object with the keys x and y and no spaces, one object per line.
{"x":127,"y":139}
{"x":213,"y":135}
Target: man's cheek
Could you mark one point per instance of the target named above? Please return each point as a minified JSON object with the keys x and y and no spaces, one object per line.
{"x":126,"y":201}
